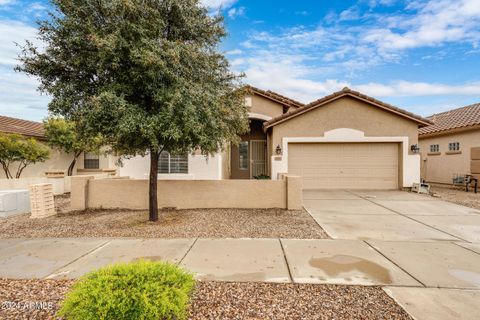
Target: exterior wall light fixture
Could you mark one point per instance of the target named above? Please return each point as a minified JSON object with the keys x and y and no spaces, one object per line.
{"x":278,"y":150}
{"x":415,"y":148}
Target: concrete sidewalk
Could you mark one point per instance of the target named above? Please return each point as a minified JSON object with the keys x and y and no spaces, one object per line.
{"x":394,"y":263}
{"x":430,"y":280}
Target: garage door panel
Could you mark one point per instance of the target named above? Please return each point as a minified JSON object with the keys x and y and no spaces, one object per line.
{"x":345,"y":165}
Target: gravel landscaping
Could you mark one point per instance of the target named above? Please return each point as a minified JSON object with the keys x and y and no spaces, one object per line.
{"x":31,"y":299}
{"x":456,"y":195}
{"x":202,"y":223}
{"x":229,"y":300}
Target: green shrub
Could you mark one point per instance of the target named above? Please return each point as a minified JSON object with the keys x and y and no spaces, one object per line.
{"x":262,"y":177}
{"x":139,"y":290}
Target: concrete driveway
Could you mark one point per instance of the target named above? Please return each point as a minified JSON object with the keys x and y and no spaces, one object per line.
{"x":424,"y":237}
{"x":391,"y":215}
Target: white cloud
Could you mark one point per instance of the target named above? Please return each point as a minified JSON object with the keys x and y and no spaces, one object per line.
{"x":405,"y":88}
{"x":5,"y":2}
{"x":351,"y":13}
{"x":296,"y":77}
{"x":236,"y":12}
{"x":234,"y":52}
{"x":217,"y":4}
{"x":12,"y":32}
{"x":18,"y":92}
{"x":36,"y":7}
{"x":376,"y":3}
{"x":381,"y":38}
{"x":436,"y":22}
{"x":20,"y":97}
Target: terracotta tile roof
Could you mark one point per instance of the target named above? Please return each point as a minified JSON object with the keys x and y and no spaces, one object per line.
{"x":347,"y":92}
{"x":276,"y":97}
{"x":453,"y":119}
{"x":23,"y":127}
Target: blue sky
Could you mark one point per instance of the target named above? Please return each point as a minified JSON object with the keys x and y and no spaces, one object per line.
{"x":423,"y":56}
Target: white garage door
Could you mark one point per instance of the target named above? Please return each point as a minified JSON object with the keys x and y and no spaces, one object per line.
{"x":345,"y":165}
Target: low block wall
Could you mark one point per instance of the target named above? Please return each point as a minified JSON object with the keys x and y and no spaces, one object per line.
{"x":187,"y":194}
{"x":60,"y":184}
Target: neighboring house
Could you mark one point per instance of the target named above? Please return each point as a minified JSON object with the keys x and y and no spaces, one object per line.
{"x":344,"y":140}
{"x":58,"y":161}
{"x":446,"y":145}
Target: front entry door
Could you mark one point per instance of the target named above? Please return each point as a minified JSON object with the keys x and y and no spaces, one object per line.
{"x":258,"y":158}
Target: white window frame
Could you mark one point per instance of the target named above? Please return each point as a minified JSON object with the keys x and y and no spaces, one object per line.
{"x":454,"y":146}
{"x":169,"y":163}
{"x":434,"y":148}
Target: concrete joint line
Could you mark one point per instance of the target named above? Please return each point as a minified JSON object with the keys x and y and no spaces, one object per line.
{"x":188,"y":251}
{"x":286,"y":262}
{"x":408,"y":217}
{"x":54,"y":273}
{"x":394,"y":263}
{"x":318,"y":224}
{"x":455,"y":243}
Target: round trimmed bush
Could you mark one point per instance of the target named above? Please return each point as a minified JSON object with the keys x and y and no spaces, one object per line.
{"x":139,"y":290}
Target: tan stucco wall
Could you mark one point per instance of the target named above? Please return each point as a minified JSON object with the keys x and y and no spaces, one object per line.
{"x":441,"y":168}
{"x":57,"y":161}
{"x":265,"y":106}
{"x":345,"y":112}
{"x":187,"y":194}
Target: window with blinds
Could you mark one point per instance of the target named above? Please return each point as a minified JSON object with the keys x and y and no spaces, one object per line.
{"x":91,"y":161}
{"x":169,"y":163}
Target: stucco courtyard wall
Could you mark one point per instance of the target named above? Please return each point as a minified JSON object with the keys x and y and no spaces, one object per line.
{"x":87,"y":192}
{"x":61,"y":184}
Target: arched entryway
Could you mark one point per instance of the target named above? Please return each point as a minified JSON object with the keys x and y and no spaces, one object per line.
{"x":249,"y":157}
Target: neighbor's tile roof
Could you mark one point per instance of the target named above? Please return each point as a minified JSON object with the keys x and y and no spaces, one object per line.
{"x":453,"y":119}
{"x":23,"y":127}
{"x":347,"y":92}
{"x":276,"y":97}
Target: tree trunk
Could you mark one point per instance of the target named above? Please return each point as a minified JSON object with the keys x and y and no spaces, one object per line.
{"x":72,"y":164}
{"x":152,"y":192}
{"x":5,"y":166}
{"x":21,"y":166}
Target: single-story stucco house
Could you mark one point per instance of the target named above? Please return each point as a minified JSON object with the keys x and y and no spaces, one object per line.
{"x":451,"y":145}
{"x":344,"y":140}
{"x":58,"y":161}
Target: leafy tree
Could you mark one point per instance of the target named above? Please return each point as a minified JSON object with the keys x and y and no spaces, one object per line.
{"x":145,"y":74}
{"x":15,"y":148}
{"x":63,"y":134}
{"x":8,"y":152}
{"x":31,"y":151}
